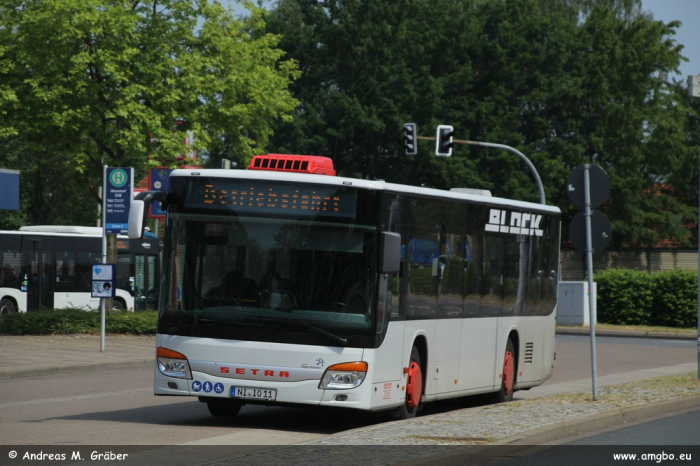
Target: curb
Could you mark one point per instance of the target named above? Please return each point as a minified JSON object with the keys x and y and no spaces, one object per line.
{"x":627,"y":333}
{"x":516,"y":443}
{"x":74,"y":368}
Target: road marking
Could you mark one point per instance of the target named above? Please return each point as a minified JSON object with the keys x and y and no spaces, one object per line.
{"x":77,"y":397}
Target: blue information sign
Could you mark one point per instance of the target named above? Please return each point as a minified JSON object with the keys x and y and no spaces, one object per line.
{"x":119,"y":190}
{"x":158,"y":181}
{"x":9,"y":189}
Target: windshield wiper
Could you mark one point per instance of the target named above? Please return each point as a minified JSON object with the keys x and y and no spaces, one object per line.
{"x":320,"y":331}
{"x":204,"y":323}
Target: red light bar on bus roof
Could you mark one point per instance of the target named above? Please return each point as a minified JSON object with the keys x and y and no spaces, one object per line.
{"x":293,"y":163}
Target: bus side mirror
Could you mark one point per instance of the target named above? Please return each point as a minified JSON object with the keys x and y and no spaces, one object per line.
{"x":390,"y":253}
{"x":139,"y":208}
{"x":136,"y":219}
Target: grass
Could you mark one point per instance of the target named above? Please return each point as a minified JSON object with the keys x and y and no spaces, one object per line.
{"x":641,"y":328}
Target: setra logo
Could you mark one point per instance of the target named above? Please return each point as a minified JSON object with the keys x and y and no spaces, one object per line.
{"x":224,"y":370}
{"x":517,"y":223}
{"x":260,"y":372}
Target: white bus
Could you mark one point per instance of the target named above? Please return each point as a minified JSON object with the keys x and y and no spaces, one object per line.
{"x":50,"y":267}
{"x":283,"y":286}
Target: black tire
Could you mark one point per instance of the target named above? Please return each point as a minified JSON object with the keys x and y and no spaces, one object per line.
{"x":118,"y":305}
{"x":412,"y":405}
{"x":508,"y":375}
{"x":7,"y":307}
{"x":224,"y":408}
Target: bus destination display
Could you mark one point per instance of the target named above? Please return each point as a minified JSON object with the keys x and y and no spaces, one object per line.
{"x":304,"y":200}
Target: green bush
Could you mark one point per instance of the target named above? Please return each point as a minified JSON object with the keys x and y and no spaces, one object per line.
{"x":77,"y":321}
{"x":453,"y":276}
{"x":472,"y":279}
{"x":422,"y":281}
{"x":675,"y":299}
{"x":624,"y":297}
{"x":634,"y":297}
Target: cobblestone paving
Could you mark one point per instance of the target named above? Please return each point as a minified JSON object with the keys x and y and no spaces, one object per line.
{"x":447,"y":432}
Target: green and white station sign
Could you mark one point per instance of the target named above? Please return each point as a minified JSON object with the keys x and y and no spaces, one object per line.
{"x":119,"y":190}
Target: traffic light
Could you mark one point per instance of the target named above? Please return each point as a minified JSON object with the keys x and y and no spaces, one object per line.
{"x":443,"y":140}
{"x":409,"y":138}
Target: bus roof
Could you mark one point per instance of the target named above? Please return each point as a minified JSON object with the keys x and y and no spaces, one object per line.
{"x":76,"y":230}
{"x":473,"y":196}
{"x":72,"y":230}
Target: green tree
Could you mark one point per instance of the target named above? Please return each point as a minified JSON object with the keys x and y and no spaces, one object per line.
{"x":121,"y":83}
{"x":565,"y":82}
{"x":50,"y":191}
{"x":631,"y":120}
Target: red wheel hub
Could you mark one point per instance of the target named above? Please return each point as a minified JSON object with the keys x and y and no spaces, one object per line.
{"x":414,"y":385}
{"x":508,"y":372}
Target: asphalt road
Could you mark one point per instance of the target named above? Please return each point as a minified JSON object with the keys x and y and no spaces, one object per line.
{"x":677,"y":429}
{"x":616,"y":354}
{"x":118,"y":408}
{"x":668,"y":439}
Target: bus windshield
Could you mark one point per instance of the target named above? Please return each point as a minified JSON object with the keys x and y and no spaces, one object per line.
{"x":246,"y":275}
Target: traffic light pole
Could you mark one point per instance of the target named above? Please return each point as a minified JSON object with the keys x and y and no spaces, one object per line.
{"x":540,"y":187}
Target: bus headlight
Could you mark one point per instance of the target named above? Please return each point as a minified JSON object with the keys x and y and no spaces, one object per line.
{"x":344,"y":376}
{"x":173,"y":364}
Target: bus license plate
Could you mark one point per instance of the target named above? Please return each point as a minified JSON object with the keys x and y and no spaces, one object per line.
{"x":247,"y":393}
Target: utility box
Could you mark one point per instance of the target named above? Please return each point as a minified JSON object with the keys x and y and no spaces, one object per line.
{"x":694,"y":86}
{"x":572,"y":303}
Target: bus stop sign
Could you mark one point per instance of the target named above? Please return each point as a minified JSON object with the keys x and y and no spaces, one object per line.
{"x":158,"y":181}
{"x":118,"y":193}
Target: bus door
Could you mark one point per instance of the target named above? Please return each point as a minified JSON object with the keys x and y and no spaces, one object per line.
{"x":145,"y":283}
{"x":39,"y":273}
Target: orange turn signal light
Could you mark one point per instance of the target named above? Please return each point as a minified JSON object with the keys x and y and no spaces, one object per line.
{"x":359,"y":366}
{"x":168,"y":353}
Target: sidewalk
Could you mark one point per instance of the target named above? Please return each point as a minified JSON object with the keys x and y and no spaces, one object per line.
{"x":32,"y":356}
{"x":536,"y":416}
{"x":605,"y":332}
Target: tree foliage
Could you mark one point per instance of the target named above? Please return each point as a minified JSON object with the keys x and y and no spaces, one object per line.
{"x":51,"y":192}
{"x":121,"y":83}
{"x":564,"y":81}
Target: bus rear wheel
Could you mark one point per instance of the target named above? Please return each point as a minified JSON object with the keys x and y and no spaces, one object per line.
{"x":414,"y":387}
{"x":7,"y":307}
{"x":117,"y":305}
{"x":224,"y":408}
{"x":507,"y":376}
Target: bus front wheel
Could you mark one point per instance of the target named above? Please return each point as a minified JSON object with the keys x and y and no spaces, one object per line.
{"x":507,"y":376}
{"x":414,"y":387}
{"x":224,"y":408}
{"x":7,"y":307}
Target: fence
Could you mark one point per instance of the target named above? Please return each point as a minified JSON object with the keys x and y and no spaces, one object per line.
{"x":574,"y":266}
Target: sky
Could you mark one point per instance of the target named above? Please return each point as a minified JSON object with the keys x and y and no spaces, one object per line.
{"x":688,"y":35}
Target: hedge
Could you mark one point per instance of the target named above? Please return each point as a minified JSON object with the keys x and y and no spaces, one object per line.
{"x":69,"y":321}
{"x":633,"y":297}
